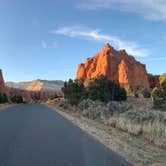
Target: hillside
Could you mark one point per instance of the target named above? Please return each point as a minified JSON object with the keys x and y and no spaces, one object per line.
{"x":37,"y":85}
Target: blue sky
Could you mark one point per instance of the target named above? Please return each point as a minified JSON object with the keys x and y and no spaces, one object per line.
{"x":46,"y":39}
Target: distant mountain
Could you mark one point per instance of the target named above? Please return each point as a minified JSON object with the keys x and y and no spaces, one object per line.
{"x":37,"y":85}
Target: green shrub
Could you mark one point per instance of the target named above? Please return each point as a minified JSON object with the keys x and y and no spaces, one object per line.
{"x":101,"y":89}
{"x":74,"y":91}
{"x":3,"y":98}
{"x":159,"y":94}
{"x":16,"y":99}
{"x":146,"y":93}
{"x":105,"y":90}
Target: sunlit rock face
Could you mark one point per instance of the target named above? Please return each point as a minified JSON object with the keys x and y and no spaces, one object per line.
{"x":116,"y":65}
{"x":2,"y":84}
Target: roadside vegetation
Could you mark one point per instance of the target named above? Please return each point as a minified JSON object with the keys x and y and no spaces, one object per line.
{"x":104,"y":100}
{"x":15,"y":98}
{"x":159,"y":94}
{"x":100,"y":89}
{"x":3,"y":98}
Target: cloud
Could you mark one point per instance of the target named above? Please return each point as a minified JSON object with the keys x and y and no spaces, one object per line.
{"x":149,"y":9}
{"x":97,"y":35}
{"x":45,"y":44}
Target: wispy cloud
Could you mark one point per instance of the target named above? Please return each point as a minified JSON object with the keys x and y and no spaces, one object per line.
{"x":45,"y":44}
{"x":97,"y":35}
{"x":149,"y":9}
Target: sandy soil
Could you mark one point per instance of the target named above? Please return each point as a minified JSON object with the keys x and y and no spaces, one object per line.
{"x":133,"y":149}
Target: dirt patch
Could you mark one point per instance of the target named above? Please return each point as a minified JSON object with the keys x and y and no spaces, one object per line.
{"x":134,"y":150}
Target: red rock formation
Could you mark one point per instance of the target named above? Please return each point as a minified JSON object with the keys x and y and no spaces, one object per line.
{"x":2,"y":84}
{"x":116,"y":65}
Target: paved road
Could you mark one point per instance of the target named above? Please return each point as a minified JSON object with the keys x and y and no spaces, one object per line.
{"x":34,"y":135}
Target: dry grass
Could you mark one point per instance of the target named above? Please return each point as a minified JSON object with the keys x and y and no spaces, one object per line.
{"x":149,"y":125}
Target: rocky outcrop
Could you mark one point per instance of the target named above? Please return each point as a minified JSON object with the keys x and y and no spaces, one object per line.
{"x":116,"y":65}
{"x":2,"y":84}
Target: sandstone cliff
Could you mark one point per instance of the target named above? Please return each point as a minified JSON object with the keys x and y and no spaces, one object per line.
{"x":2,"y":84}
{"x":116,"y":65}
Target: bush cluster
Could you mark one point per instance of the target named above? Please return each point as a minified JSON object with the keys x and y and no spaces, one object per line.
{"x":97,"y":109}
{"x":105,"y":90}
{"x":159,"y":93}
{"x":3,"y":98}
{"x":101,"y":89}
{"x":74,"y":91}
{"x":16,"y":98}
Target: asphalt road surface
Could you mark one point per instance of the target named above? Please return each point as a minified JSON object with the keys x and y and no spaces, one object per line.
{"x":34,"y":135}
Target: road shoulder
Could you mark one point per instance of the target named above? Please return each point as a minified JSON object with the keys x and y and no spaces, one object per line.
{"x":4,"y":106}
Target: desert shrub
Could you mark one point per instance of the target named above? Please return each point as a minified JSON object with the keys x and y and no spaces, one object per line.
{"x":3,"y":98}
{"x":92,"y":109}
{"x":136,"y":94}
{"x":85,"y":104}
{"x":97,"y":109}
{"x":105,"y":90}
{"x":150,"y":125}
{"x":73,"y":91}
{"x":129,"y":90}
{"x":146,"y":93}
{"x":93,"y":112}
{"x":16,"y":98}
{"x":159,"y":93}
{"x":118,"y":107}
